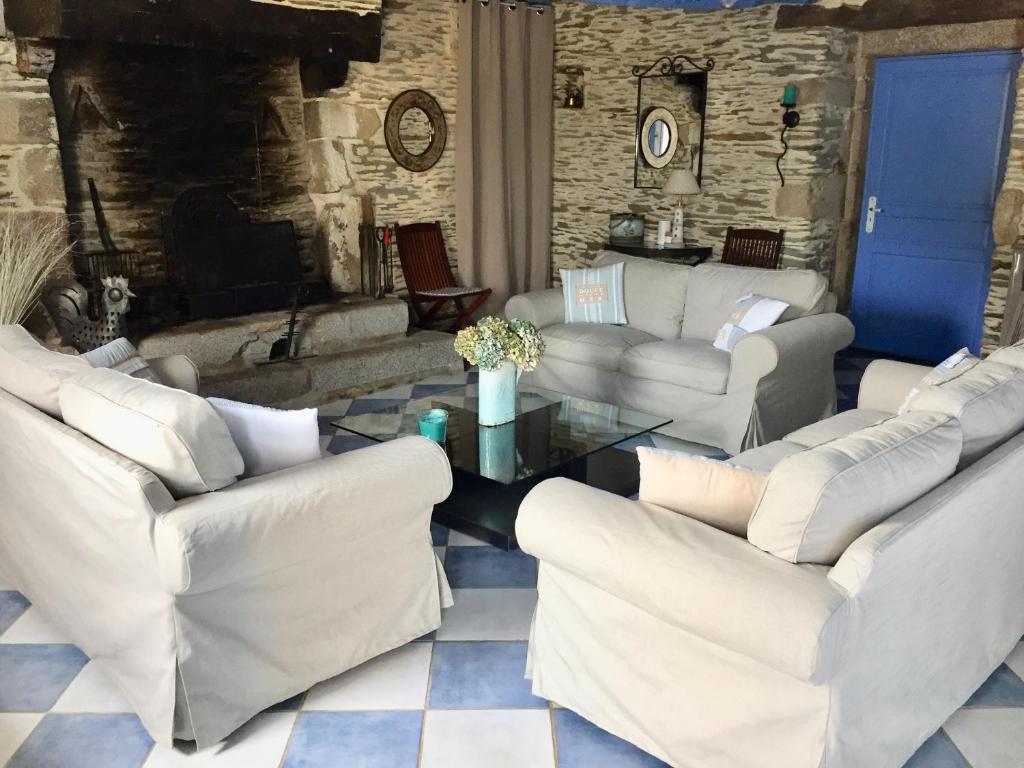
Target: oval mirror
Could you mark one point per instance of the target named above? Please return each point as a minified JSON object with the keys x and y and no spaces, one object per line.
{"x":659,"y":138}
{"x":415,"y":130}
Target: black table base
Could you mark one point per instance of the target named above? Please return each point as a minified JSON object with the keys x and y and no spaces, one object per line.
{"x":487,"y":510}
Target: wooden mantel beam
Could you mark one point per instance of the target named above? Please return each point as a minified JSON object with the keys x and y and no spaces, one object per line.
{"x":240,"y":26}
{"x":877,"y":15}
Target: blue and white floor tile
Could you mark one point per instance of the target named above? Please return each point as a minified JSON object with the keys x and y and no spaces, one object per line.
{"x":458,"y":699}
{"x":454,"y":699}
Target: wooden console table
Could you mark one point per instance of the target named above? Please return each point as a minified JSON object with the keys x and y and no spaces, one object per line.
{"x":690,"y":255}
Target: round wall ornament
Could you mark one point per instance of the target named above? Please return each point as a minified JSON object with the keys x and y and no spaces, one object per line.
{"x":415,"y":130}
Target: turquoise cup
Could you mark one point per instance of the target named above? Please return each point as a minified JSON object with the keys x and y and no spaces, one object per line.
{"x":434,"y":424}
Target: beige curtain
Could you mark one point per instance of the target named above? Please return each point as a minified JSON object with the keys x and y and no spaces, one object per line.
{"x":505,"y":149}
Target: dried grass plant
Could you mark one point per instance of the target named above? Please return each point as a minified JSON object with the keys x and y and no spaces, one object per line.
{"x":33,"y":249}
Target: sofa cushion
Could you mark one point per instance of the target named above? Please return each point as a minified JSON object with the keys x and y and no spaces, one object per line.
{"x":717,"y":493}
{"x":840,"y":425}
{"x":33,"y":373}
{"x":1012,"y":355}
{"x":600,"y":346}
{"x":655,"y":292}
{"x":714,"y":289}
{"x":177,"y":436}
{"x":818,"y":501}
{"x":988,"y":400}
{"x":685,"y":362}
{"x":765,"y":457}
{"x":955,"y":365}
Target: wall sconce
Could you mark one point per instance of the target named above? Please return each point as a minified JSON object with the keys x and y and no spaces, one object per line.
{"x":790,"y":119}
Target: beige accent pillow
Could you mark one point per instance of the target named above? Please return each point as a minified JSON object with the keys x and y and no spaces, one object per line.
{"x":819,"y":501}
{"x":714,"y":492}
{"x":33,"y":373}
{"x":988,"y":400}
{"x":177,"y":436}
{"x":957,"y":364}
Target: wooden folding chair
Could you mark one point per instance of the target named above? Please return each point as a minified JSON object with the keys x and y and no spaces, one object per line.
{"x":753,"y":247}
{"x":437,"y":301}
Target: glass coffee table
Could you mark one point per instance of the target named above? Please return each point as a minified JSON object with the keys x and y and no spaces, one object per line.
{"x":553,"y":435}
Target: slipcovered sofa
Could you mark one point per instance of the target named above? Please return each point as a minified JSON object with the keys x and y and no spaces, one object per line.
{"x":663,"y":362}
{"x":708,"y":651}
{"x":207,"y":609}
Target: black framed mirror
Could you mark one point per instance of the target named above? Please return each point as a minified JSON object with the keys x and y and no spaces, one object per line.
{"x":415,"y":130}
{"x":671,"y":103}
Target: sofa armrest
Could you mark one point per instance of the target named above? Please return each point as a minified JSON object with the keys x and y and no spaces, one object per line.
{"x":704,"y":581}
{"x":790,"y":345}
{"x":886,"y":384}
{"x":176,"y":371}
{"x":542,"y":308}
{"x":297,"y":518}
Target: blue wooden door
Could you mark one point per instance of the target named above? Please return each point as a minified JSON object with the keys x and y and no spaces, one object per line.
{"x":940,"y":130}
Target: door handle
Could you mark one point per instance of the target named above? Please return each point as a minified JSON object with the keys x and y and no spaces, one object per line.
{"x":869,"y":224}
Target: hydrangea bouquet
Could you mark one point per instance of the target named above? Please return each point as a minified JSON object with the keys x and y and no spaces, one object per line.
{"x":500,"y":347}
{"x":493,"y":341}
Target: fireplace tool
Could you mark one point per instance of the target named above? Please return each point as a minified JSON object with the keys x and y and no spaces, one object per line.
{"x":285,"y":349}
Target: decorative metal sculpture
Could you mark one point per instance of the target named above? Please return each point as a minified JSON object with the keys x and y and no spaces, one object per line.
{"x":69,"y":307}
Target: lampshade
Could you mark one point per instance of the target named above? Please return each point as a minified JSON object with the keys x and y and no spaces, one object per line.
{"x":681,"y":182}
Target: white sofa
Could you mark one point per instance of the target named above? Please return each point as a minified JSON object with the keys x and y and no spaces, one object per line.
{"x":208,"y":609}
{"x":663,"y":362}
{"x":708,"y":652}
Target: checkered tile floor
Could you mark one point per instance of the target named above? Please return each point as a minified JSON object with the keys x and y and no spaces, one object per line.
{"x":454,"y":700}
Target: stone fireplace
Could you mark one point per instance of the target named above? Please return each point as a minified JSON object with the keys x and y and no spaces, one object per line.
{"x":121,"y":113}
{"x":148,"y":124}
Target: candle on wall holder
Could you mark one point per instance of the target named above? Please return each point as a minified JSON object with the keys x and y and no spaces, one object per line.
{"x":790,"y":119}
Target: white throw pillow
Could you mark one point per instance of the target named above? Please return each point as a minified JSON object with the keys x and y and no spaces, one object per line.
{"x":955,"y":365}
{"x":177,"y":436}
{"x":987,"y":400}
{"x":594,"y":295}
{"x":270,"y":439}
{"x":717,"y":493}
{"x":819,"y":501}
{"x":33,"y":373}
{"x":752,"y":313}
{"x":121,"y":355}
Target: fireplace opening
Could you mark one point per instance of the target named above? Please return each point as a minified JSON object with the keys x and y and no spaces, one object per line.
{"x":189,"y":170}
{"x":226,"y":265}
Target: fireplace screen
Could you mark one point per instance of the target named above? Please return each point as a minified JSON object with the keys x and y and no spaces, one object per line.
{"x":226,"y":265}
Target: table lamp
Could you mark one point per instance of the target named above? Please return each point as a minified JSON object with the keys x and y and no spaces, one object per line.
{"x":680,"y":183}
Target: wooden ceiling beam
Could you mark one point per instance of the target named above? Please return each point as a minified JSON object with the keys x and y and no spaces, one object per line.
{"x":239,"y":26}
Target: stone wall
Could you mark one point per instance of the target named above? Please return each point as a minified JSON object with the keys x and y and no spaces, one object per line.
{"x":30,"y":172}
{"x":594,"y":146}
{"x":346,"y":135}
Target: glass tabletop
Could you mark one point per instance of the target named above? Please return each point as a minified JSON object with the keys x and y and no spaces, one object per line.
{"x":551,"y":429}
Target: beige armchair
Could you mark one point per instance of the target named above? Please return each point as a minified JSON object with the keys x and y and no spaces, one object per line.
{"x":708,"y":652}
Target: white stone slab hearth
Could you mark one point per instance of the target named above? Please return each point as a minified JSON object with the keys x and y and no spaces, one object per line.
{"x":351,"y":346}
